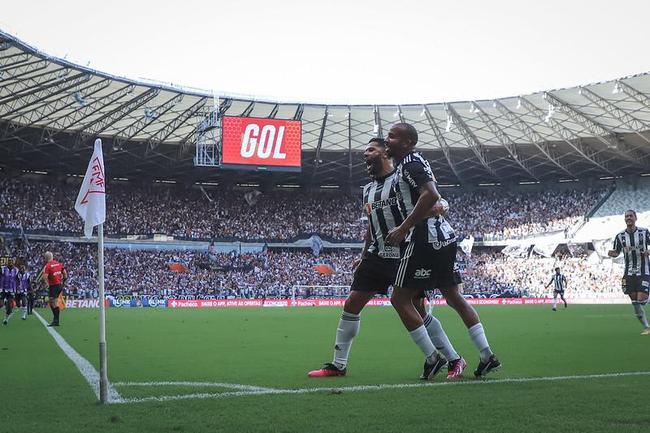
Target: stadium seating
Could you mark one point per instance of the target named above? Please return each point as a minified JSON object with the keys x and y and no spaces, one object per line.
{"x":277,"y":215}
{"x":608,"y":219}
{"x":273,"y":274}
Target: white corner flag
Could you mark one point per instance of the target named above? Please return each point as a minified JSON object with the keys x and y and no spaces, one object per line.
{"x":91,"y":206}
{"x":91,"y":201}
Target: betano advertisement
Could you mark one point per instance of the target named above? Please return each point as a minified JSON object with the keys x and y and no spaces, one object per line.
{"x":255,"y":143}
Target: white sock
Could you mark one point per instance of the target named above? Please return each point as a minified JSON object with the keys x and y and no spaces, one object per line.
{"x":477,"y":334}
{"x":640,"y":313}
{"x":439,"y":338}
{"x":24,"y":310}
{"x":7,"y":317}
{"x":348,"y":329}
{"x":423,"y":341}
{"x":554,"y":303}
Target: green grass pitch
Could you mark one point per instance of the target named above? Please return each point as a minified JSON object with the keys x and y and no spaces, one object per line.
{"x":275,"y":347}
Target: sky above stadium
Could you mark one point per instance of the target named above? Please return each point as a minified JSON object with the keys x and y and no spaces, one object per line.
{"x":353,"y":51}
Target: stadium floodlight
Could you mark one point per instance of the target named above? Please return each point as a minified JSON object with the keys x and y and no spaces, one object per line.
{"x":551,"y":112}
{"x":150,"y":113}
{"x":80,"y":99}
{"x":519,"y":103}
{"x":617,"y":88}
{"x":473,"y":108}
{"x":375,"y":129}
{"x":396,"y":113}
{"x":450,"y":121}
{"x":422,"y":113}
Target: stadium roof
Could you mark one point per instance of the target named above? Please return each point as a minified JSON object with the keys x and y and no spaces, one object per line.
{"x":51,"y":110}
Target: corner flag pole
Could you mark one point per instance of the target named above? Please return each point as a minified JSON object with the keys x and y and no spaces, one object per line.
{"x":91,"y":206}
{"x":103,"y":369}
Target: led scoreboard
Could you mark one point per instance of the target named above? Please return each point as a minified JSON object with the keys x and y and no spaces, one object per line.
{"x":261,"y":144}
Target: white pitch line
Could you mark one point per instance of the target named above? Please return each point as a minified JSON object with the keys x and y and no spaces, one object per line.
{"x":238,"y":386}
{"x":379,"y":387}
{"x":85,"y":368}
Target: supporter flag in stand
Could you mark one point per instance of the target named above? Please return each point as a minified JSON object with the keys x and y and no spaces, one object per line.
{"x":466,"y":245}
{"x":325,"y":267}
{"x":316,"y":245}
{"x":91,"y":200}
{"x":252,"y":197}
{"x":177,"y":267}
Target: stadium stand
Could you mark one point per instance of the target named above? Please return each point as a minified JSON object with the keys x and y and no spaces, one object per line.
{"x":277,"y":215}
{"x":608,"y":219}
{"x":273,"y":274}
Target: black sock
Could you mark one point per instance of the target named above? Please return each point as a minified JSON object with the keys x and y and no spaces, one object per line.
{"x":56,"y":314}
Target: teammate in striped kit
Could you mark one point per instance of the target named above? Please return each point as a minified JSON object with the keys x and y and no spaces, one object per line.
{"x":559,"y":284}
{"x":376,"y":268}
{"x":429,"y":258}
{"x":9,"y":287}
{"x":635,"y":243}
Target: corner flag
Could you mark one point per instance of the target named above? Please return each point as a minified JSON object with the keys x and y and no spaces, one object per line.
{"x":91,"y":200}
{"x":91,"y":206}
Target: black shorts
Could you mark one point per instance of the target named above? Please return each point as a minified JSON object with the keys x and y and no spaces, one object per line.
{"x":20,"y":297}
{"x":636,"y":283}
{"x":424,"y":267}
{"x":55,"y":291}
{"x":374,"y":274}
{"x":7,"y":296}
{"x":558,"y":292}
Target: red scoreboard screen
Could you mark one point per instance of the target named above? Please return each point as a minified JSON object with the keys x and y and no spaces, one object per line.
{"x":249,"y":142}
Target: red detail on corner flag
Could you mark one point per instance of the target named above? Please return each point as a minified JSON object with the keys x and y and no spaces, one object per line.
{"x":91,"y":200}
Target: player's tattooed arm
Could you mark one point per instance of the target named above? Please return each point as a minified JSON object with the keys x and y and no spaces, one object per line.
{"x":366,"y":245}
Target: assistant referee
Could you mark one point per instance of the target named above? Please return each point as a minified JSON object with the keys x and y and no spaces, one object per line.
{"x":54,"y":274}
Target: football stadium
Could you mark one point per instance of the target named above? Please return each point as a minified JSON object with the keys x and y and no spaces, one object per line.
{"x":233,"y":245}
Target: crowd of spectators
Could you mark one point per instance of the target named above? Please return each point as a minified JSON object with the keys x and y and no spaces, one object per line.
{"x":498,"y":214}
{"x":496,"y":273}
{"x":267,"y":274}
{"x":186,"y":213}
{"x":278,"y":215}
{"x":283,"y":274}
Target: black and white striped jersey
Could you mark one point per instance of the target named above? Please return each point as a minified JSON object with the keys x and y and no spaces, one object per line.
{"x":633,"y":246}
{"x":559,"y":282}
{"x":413,"y":172}
{"x":380,"y":206}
